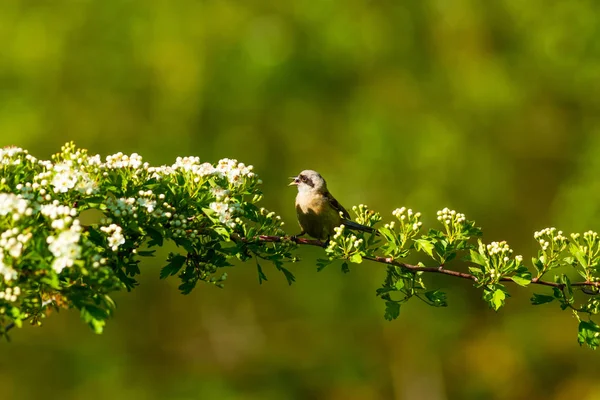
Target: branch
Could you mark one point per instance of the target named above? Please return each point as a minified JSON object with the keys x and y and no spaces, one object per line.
{"x":415,"y":268}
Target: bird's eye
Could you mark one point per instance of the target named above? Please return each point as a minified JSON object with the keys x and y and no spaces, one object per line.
{"x":302,"y":178}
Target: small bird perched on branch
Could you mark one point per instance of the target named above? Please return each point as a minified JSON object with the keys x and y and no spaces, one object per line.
{"x":318,"y":211}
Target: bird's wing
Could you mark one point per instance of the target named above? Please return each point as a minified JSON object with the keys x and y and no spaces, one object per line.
{"x":336,"y":205}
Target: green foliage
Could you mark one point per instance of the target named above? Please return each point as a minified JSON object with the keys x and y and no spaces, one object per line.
{"x":589,"y":333}
{"x":50,"y":260}
{"x":541,"y":299}
{"x":392,"y":310}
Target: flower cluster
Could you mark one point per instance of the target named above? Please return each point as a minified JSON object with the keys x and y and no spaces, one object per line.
{"x":6,"y":270}
{"x":13,"y":241}
{"x":65,"y":178}
{"x":339,"y":231}
{"x":14,"y":205}
{"x":499,"y":248}
{"x":399,"y":237}
{"x":271,"y":224}
{"x":364,"y":216}
{"x":61,"y":216}
{"x":586,"y":250}
{"x":10,"y":294}
{"x":455,"y":223}
{"x":590,"y":239}
{"x":551,"y":238}
{"x":120,"y":160}
{"x":229,"y":169}
{"x":349,"y":247}
{"x":115,"y":236}
{"x":349,"y":243}
{"x":70,"y":171}
{"x":64,"y":240}
{"x":407,"y":218}
{"x":65,"y":247}
{"x":13,"y":155}
{"x":234,"y":172}
{"x":498,"y":259}
{"x":449,"y":217}
{"x":226,"y":211}
{"x":219,"y":193}
{"x":272,"y":216}
{"x":42,"y":203}
{"x":187,"y":163}
{"x":147,"y":202}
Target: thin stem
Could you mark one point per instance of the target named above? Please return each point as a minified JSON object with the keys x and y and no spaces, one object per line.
{"x":416,"y":268}
{"x":8,"y":328}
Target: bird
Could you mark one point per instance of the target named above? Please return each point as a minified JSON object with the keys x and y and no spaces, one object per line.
{"x":318,"y":211}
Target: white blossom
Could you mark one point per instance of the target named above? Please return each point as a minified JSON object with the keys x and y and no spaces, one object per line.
{"x":115,"y":238}
{"x":65,"y":247}
{"x":449,"y":217}
{"x":120,"y":160}
{"x":6,"y":271}
{"x":12,"y":204}
{"x":65,"y":178}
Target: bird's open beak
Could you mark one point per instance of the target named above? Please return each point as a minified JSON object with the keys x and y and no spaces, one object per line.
{"x":294,"y":181}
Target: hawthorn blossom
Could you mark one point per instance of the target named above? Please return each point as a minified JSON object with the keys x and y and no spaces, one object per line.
{"x":115,"y":238}
{"x":65,"y":247}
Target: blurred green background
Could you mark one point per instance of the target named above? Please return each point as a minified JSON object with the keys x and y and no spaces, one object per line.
{"x":488,"y":107}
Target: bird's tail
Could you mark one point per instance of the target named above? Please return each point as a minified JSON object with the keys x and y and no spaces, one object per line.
{"x":359,"y":227}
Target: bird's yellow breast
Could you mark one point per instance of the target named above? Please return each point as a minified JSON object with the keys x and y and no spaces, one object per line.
{"x":316,"y":216}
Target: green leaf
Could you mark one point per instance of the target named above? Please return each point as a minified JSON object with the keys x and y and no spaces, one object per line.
{"x":392,"y":310}
{"x":132,"y":269}
{"x":322,"y":263}
{"x":173,"y":267}
{"x":399,"y":284}
{"x":541,"y":299}
{"x":437,"y":298}
{"x":569,"y":260}
{"x":424,"y":245}
{"x":261,"y":276}
{"x":498,"y":298}
{"x":345,"y":268}
{"x":186,"y":244}
{"x":589,"y":333}
{"x":440,"y":247}
{"x":187,"y":286}
{"x":521,"y":279}
{"x":450,"y":256}
{"x":51,"y":280}
{"x":388,"y":234}
{"x":96,"y":237}
{"x":288,"y":275}
{"x":155,"y":236}
{"x":94,"y":316}
{"x":538,"y":264}
{"x":576,"y":251}
{"x":209,"y":212}
{"x":356,"y":258}
{"x":476,"y":258}
{"x":223,"y":232}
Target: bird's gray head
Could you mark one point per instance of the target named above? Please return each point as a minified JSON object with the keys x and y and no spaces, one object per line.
{"x":309,"y":181}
